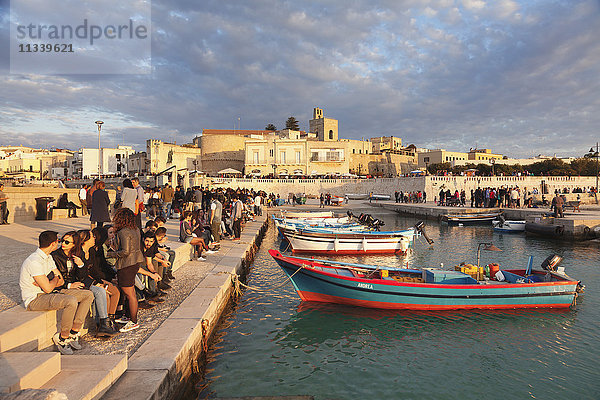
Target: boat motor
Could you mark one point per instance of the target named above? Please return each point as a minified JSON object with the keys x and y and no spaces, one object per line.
{"x":551,"y":263}
{"x":420,"y":227}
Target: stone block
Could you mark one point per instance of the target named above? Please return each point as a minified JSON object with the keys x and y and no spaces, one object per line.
{"x":27,"y":370}
{"x":87,"y":377}
{"x":22,"y":329}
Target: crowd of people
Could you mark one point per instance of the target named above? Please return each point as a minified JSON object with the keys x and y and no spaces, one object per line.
{"x":118,"y":266}
{"x":410,"y":197}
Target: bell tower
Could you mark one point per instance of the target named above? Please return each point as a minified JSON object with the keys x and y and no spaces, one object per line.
{"x":325,"y":128}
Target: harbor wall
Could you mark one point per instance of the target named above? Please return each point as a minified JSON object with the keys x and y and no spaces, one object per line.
{"x":22,"y":205}
{"x":430,"y":184}
{"x":162,"y":366}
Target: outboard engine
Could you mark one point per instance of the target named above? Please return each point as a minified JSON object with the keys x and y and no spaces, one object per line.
{"x":420,"y":227}
{"x":551,"y":263}
{"x":377,"y":223}
{"x":349,"y":214}
{"x":501,"y":219}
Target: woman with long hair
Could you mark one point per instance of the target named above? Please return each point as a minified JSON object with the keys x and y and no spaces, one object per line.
{"x":129,"y":257}
{"x":100,"y":202}
{"x":102,"y":272}
{"x":101,"y":289}
{"x":186,"y":235}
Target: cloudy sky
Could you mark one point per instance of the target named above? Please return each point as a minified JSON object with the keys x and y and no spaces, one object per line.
{"x":519,"y":77}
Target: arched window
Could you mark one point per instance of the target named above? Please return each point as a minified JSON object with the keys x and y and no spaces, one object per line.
{"x":330,"y":134}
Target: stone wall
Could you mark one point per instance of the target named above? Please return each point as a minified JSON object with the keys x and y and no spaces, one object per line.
{"x":431,"y":184}
{"x":21,"y":203}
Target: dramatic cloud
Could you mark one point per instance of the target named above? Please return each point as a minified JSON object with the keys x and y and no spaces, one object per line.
{"x":519,"y":77}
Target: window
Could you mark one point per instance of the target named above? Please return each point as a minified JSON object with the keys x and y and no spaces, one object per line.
{"x":330,"y":134}
{"x":366,"y":151}
{"x":298,"y":157}
{"x":353,"y":151}
{"x":282,"y":157}
{"x":256,"y":159}
{"x":425,"y":159}
{"x":271,"y":152}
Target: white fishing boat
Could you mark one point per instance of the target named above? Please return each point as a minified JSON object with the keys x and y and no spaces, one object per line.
{"x":509,"y":226}
{"x":380,"y":197}
{"x":323,"y":241}
{"x":357,"y":196}
{"x":306,"y":214}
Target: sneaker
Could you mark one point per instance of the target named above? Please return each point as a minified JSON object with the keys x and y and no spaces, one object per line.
{"x":144,"y":305}
{"x":122,"y":319}
{"x":62,"y":344}
{"x":209,"y":252}
{"x":201,"y":258}
{"x":130,"y":326}
{"x":74,"y":341}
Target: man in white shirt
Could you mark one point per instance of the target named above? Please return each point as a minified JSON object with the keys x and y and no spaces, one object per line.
{"x":82,"y":199}
{"x":38,"y":280}
{"x":257,"y":204}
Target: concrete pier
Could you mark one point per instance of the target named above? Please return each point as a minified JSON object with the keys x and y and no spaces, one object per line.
{"x":578,"y":225}
{"x":149,"y":363}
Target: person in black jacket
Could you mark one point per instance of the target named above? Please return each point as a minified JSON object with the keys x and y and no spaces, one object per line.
{"x":63,"y":202}
{"x":99,"y":212}
{"x":82,"y":272}
{"x":102,"y":272}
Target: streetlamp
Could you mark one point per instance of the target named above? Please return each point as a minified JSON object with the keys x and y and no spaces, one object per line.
{"x":274,"y":170}
{"x":595,"y":154}
{"x":99,"y":123}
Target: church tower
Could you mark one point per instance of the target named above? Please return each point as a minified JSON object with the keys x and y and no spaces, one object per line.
{"x":325,"y":128}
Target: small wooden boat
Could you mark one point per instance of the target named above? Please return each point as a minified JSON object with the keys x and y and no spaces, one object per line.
{"x":292,"y":225}
{"x":469,"y":219}
{"x":357,"y":196}
{"x":379,"y":197}
{"x":427,"y":289}
{"x":327,"y":241}
{"x":337,"y":201}
{"x":509,"y":226}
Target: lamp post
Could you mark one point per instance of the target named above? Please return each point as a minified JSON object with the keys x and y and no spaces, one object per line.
{"x":99,"y":123}
{"x":597,"y":169}
{"x":274,"y":170}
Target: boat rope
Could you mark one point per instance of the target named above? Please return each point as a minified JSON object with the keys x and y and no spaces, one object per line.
{"x":205,"y":325}
{"x":237,"y":283}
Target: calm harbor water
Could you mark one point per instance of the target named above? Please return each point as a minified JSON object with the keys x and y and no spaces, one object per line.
{"x":271,"y":343}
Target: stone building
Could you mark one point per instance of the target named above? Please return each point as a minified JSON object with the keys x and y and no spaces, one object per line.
{"x":21,"y":162}
{"x":162,"y":155}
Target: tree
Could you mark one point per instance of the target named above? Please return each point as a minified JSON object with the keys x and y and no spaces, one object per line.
{"x":292,"y":124}
{"x":270,"y":127}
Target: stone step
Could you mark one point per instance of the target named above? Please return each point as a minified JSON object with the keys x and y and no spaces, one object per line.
{"x":182,"y":253}
{"x":87,"y":377}
{"x":22,"y":330}
{"x":27,"y":370}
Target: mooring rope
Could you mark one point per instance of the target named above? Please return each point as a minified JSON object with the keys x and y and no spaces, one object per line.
{"x":237,"y":283}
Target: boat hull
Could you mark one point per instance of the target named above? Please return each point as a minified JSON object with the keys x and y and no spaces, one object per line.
{"x":319,"y":286}
{"x":469,"y":219}
{"x":349,"y":243}
{"x":509,"y":226}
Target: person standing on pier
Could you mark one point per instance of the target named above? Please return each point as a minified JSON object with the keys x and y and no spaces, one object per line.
{"x":3,"y":206}
{"x":236,"y":215}
{"x":82,"y":199}
{"x":99,"y":212}
{"x":140,"y":201}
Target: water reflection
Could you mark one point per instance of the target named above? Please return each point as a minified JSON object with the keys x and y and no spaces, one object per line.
{"x":274,"y":344}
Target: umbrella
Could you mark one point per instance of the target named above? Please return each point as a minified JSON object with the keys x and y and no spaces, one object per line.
{"x":229,"y":171}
